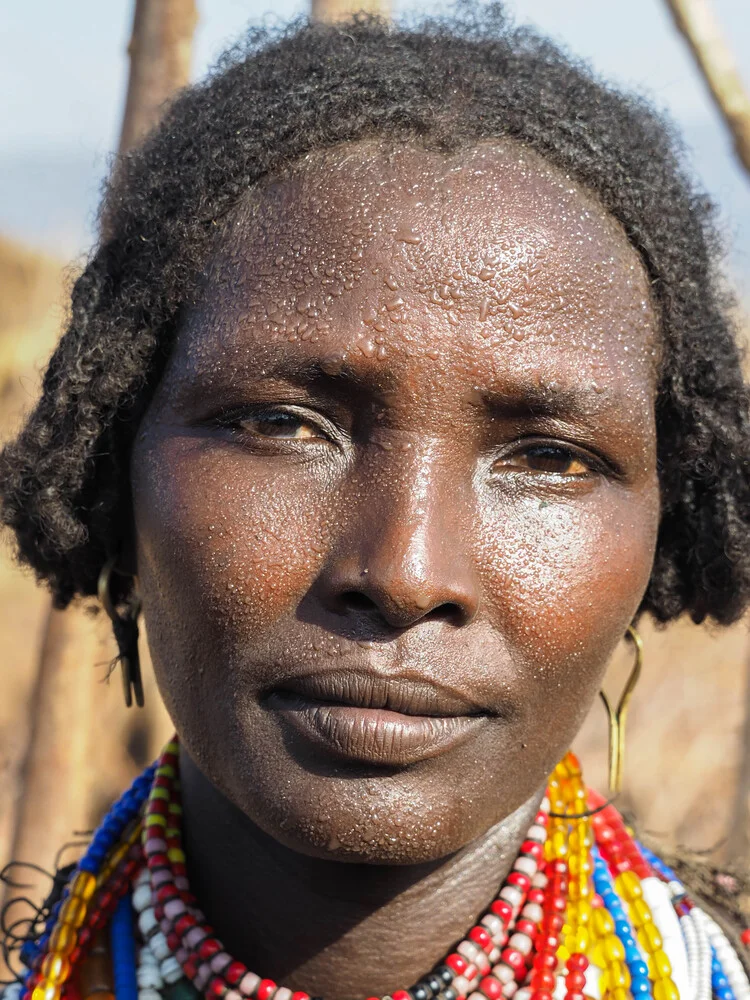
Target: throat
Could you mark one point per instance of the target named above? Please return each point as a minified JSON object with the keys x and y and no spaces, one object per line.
{"x":329,"y":928}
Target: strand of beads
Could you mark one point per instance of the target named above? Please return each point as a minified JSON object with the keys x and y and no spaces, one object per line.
{"x":480,"y":965}
{"x":628,"y":867}
{"x":569,"y":843}
{"x":619,"y":924}
{"x":59,"y":948}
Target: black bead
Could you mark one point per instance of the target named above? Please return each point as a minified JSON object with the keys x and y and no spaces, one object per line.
{"x":449,"y":994}
{"x":420,"y":992}
{"x":445,"y":972}
{"x":435,"y":983}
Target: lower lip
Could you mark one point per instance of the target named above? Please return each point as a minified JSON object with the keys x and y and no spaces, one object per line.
{"x":374,"y":735}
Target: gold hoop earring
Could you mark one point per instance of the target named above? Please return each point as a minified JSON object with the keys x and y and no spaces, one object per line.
{"x":125,"y":628}
{"x":618,"y":716}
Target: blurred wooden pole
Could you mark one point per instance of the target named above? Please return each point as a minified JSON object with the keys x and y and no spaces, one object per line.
{"x":64,"y":736}
{"x":160,"y":53}
{"x":331,"y":11}
{"x":697,"y":22}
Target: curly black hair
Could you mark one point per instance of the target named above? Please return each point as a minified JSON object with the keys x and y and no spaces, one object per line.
{"x":446,"y":84}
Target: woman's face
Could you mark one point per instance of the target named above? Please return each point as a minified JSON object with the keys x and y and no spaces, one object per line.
{"x":396,"y":498}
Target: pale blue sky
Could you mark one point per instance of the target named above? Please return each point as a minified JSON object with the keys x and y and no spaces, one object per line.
{"x":63,"y":73}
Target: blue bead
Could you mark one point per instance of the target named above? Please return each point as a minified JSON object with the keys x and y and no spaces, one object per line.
{"x":640,"y":987}
{"x":639,"y":969}
{"x":623,"y":929}
{"x":633,"y":957}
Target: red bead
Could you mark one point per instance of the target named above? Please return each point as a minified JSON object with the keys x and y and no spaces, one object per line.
{"x":400,"y":995}
{"x":184,"y":923}
{"x":524,"y":926}
{"x":479,"y":936}
{"x":456,"y":962}
{"x":266,"y":988}
{"x":190,"y":966}
{"x":519,"y":879}
{"x":559,"y":903}
{"x":491,"y":987}
{"x":543,"y":979}
{"x":207,"y":948}
{"x":173,"y":941}
{"x":745,"y":936}
{"x":541,"y":995}
{"x":234,"y":972}
{"x":166,"y":892}
{"x":306,"y":996}
{"x":553,"y":868}
{"x":575,"y":996}
{"x":160,"y":806}
{"x":536,"y":896}
{"x":471,"y":972}
{"x":501,"y":908}
{"x":552,"y":923}
{"x":545,"y":960}
{"x":577,"y":962}
{"x":541,"y":818}
{"x":217,"y":987}
{"x":548,"y":942}
{"x":533,"y":849}
{"x":514,"y":959}
{"x":575,"y":981}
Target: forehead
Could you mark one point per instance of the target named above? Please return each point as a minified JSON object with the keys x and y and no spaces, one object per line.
{"x":365,"y":250}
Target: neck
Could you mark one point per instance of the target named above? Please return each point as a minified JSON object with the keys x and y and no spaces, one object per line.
{"x":330,"y":928}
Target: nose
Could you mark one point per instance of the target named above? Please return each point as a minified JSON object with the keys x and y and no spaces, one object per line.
{"x":405,"y":555}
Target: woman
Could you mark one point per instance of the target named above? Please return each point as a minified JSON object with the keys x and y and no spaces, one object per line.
{"x":401,"y":382}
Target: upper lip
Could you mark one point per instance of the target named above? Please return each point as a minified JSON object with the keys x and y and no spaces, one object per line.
{"x":403,"y":692}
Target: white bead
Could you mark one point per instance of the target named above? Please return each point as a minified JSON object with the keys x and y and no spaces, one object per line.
{"x":149,"y":994}
{"x":468,"y":950}
{"x":537,"y":833}
{"x":148,"y":977}
{"x":147,"y":922}
{"x":521,"y":942}
{"x":523,"y":994}
{"x":511,"y":894}
{"x":526,"y":865}
{"x":171,"y":970}
{"x":158,"y":945}
{"x":659,"y":898}
{"x":592,"y":988}
{"x":533,"y":912}
{"x":539,"y":881}
{"x":142,"y":898}
{"x":503,"y":972}
{"x":12,"y":991}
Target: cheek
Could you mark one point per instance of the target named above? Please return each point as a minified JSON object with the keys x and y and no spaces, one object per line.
{"x":224,"y":547}
{"x":565,"y":578}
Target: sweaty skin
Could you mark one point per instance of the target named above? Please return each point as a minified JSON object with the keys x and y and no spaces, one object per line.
{"x":395,"y":503}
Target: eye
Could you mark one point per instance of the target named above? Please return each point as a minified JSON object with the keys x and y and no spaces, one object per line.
{"x":282,"y":424}
{"x":549,"y":459}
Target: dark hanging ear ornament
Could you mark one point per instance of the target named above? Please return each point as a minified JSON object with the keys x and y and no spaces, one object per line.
{"x":125,"y":628}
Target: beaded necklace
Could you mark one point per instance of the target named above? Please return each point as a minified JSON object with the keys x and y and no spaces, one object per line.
{"x":584,"y":912}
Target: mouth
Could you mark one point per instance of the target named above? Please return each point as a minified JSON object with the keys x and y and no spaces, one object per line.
{"x":364,"y":716}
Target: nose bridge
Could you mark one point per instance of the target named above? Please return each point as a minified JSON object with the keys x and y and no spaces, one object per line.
{"x":413,"y":555}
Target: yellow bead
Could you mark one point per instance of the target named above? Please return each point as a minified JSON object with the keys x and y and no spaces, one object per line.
{"x":159,"y":793}
{"x":578,"y":891}
{"x":660,"y":964}
{"x":619,"y":993}
{"x":629,"y":885}
{"x":158,"y":819}
{"x":640,"y":912}
{"x":649,"y":937}
{"x":613,"y":949}
{"x":665,"y":989}
{"x":616,"y":976}
{"x":55,"y":968}
{"x":604,"y":925}
{"x":175,"y":808}
{"x":73,"y":912}
{"x":176,"y":854}
{"x":580,"y":865}
{"x":63,"y":939}
{"x":83,"y":885}
{"x":559,"y":843}
{"x":47,"y":991}
{"x":577,"y":941}
{"x":584,"y":911}
{"x":165,"y":771}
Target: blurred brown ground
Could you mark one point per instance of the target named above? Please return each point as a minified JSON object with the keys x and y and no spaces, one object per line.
{"x":685,"y":736}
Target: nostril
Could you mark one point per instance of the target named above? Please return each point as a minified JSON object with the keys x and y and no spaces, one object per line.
{"x":355,"y":600}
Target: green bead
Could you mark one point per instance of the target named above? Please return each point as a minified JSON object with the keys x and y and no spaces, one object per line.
{"x":183,"y":989}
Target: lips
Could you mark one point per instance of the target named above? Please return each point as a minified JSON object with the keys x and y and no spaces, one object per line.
{"x":369,"y":717}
